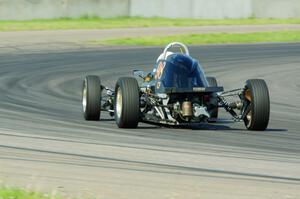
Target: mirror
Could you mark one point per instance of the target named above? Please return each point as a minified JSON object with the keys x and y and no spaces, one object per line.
{"x":139,"y":73}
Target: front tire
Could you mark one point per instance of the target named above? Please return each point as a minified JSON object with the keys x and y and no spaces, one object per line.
{"x":127,"y":103}
{"x":91,"y":98}
{"x":257,"y":99}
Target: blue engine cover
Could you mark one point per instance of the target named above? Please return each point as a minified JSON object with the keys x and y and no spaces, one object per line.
{"x":183,"y":72}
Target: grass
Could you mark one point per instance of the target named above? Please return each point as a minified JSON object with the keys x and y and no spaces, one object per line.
{"x":127,"y":22}
{"x":14,"y":193}
{"x":216,"y":38}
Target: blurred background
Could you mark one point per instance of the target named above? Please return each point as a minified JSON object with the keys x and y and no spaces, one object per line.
{"x":197,"y":9}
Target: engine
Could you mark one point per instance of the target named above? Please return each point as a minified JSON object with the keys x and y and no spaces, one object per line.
{"x":190,"y":108}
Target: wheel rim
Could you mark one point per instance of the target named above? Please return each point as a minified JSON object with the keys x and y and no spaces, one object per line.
{"x":84,"y":96}
{"x":249,"y":115}
{"x":248,"y":95}
{"x":119,"y":103}
{"x":249,"y":119}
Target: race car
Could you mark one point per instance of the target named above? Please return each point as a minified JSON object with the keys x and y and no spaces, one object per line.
{"x":176,"y":92}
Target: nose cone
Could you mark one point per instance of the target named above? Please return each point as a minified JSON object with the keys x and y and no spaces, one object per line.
{"x":183,"y":63}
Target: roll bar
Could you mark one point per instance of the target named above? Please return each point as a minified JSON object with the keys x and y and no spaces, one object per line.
{"x":175,"y":44}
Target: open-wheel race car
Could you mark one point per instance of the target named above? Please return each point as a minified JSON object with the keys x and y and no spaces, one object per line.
{"x":176,"y":92}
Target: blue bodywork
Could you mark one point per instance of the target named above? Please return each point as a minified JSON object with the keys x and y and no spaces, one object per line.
{"x":182,"y":71}
{"x":179,"y":73}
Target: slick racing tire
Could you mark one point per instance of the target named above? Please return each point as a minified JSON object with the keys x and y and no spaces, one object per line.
{"x":91,"y":98}
{"x":127,"y":102}
{"x":212,"y":81}
{"x":257,"y":101}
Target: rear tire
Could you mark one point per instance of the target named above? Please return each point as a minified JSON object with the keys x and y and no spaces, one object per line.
{"x":91,"y":98}
{"x":259,"y":101}
{"x":127,"y":103}
{"x":212,"y":81}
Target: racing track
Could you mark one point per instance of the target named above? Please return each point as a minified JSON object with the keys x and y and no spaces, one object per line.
{"x":46,"y":145}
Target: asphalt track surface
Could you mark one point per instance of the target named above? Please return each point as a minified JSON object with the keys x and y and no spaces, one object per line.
{"x":45,"y":144}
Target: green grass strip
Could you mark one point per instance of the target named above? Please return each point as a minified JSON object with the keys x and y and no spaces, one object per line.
{"x":217,"y":38}
{"x":127,"y":22}
{"x":14,"y":193}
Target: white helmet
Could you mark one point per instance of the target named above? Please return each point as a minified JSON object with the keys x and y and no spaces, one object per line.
{"x":161,"y":56}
